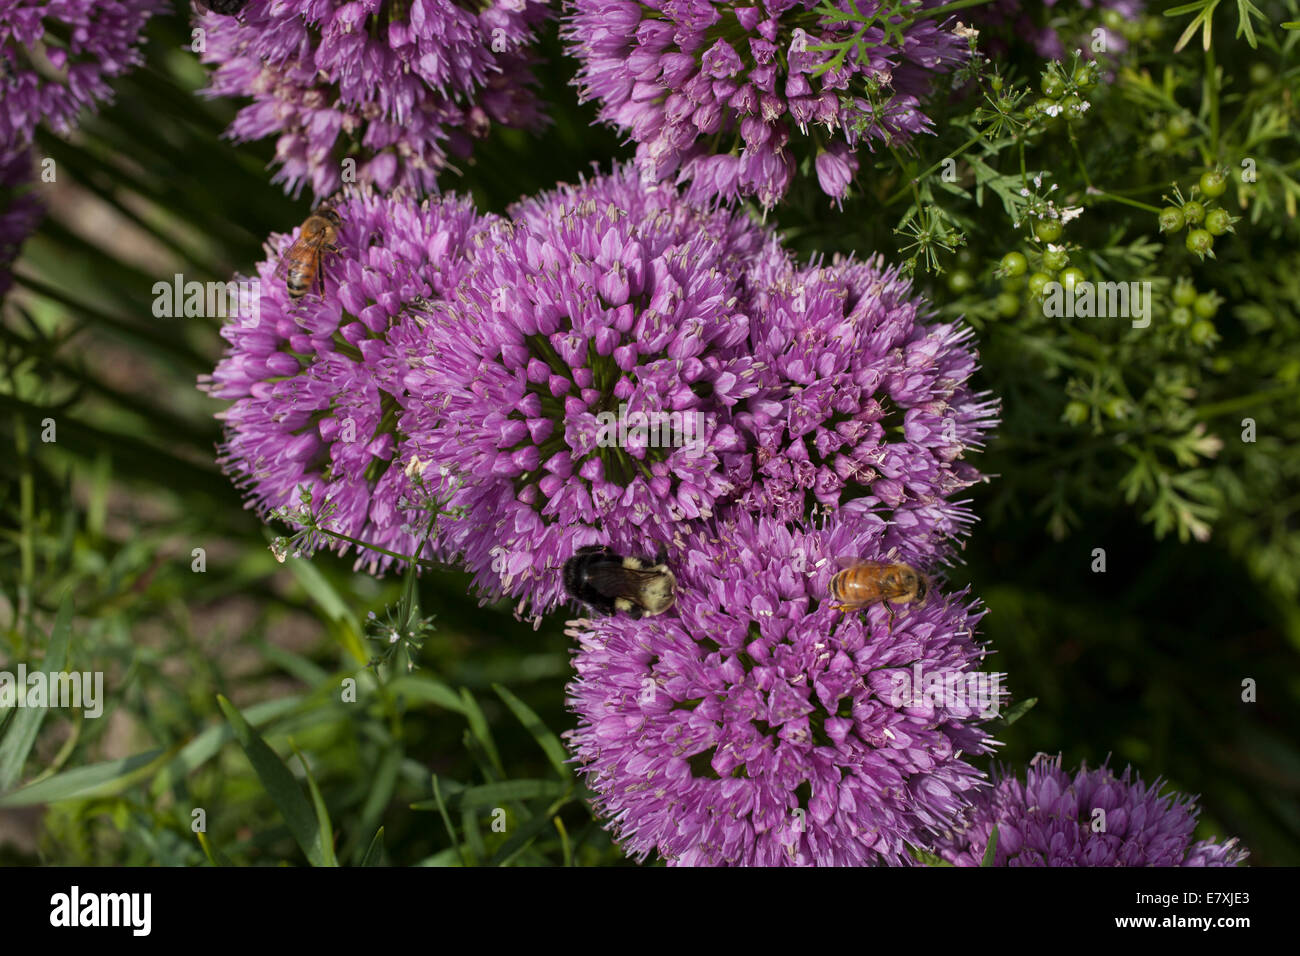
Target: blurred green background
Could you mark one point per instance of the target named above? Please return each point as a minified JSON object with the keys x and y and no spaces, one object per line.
{"x":1143,"y":664}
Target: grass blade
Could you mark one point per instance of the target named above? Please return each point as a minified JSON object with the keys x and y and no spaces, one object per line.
{"x":547,"y":740}
{"x":21,"y":735}
{"x":991,"y":851}
{"x":478,"y":726}
{"x":323,"y":825}
{"x":98,"y":779}
{"x":495,"y":794}
{"x":280,"y":785}
{"x":375,"y":853}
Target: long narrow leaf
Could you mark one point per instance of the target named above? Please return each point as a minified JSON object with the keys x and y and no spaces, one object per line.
{"x":547,"y":740}
{"x":280,"y":785}
{"x":21,"y":735}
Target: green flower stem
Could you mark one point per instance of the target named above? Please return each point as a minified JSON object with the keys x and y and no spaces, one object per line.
{"x":1102,"y":196}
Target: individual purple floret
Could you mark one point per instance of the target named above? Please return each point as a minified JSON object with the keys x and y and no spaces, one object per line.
{"x":863,"y":407}
{"x":57,"y":58}
{"x":599,"y":304}
{"x":756,"y":724}
{"x":317,"y":384}
{"x":373,"y":91}
{"x":1091,"y":819}
{"x":733,"y":97}
{"x":20,"y":211}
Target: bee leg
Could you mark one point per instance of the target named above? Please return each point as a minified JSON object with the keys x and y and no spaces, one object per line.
{"x":889,"y":609}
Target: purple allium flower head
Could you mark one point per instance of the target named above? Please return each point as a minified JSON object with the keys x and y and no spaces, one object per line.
{"x":599,"y":303}
{"x":20,"y":210}
{"x":1048,"y":820}
{"x":93,"y":42}
{"x":865,"y":408}
{"x":755,"y":724}
{"x":730,"y":97}
{"x":317,"y":385}
{"x":395,"y":88}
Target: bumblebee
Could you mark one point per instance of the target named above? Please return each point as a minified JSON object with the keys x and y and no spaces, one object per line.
{"x":600,"y":577}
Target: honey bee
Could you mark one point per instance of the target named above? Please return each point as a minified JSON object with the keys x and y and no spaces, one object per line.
{"x":300,"y":266}
{"x":864,"y":583}
{"x":609,"y":582}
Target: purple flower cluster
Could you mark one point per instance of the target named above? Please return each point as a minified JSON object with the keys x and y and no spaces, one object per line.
{"x":1091,"y":819}
{"x":605,"y":299}
{"x":732,"y":97}
{"x":756,"y":725}
{"x":613,"y":299}
{"x":317,"y":385}
{"x":612,"y":364}
{"x":505,"y":359}
{"x":57,"y":57}
{"x":373,"y":91}
{"x":20,"y":210}
{"x":864,"y":407}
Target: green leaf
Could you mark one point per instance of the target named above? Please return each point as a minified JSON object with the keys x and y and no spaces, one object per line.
{"x":1246,"y":10}
{"x":323,"y":825}
{"x":446,"y":819}
{"x":496,"y":794}
{"x":336,"y":609}
{"x":991,"y":851}
{"x":520,"y":839}
{"x":280,"y":785}
{"x":547,"y":740}
{"x":473,"y":835}
{"x":478,"y":726}
{"x":97,"y":779}
{"x":208,"y":744}
{"x":926,"y":857}
{"x":21,"y":734}
{"x":1019,"y":710}
{"x":215,"y":856}
{"x":417,"y":688}
{"x":375,"y":853}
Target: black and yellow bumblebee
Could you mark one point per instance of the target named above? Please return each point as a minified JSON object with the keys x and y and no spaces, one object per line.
{"x":605,"y":580}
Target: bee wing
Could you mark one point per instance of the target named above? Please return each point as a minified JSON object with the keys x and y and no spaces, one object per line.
{"x":616,"y":581}
{"x":282,"y":267}
{"x":318,"y":277}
